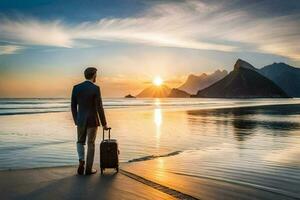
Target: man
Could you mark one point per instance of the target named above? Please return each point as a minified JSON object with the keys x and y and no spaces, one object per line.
{"x":86,"y":105}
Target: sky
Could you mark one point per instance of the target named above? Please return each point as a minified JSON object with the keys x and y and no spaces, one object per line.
{"x":46,"y":44}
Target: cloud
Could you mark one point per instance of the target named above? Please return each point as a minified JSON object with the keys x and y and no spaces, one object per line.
{"x":34,"y":32}
{"x":277,"y":35}
{"x":9,"y":49}
{"x":188,"y":24}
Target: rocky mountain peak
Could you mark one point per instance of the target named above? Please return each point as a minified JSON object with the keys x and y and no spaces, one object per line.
{"x":243,"y":64}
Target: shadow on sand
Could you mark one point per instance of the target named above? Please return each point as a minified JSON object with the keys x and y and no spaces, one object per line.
{"x":76,"y":187}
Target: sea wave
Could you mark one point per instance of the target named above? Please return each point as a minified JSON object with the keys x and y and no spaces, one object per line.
{"x":32,"y":145}
{"x":28,"y":113}
{"x":36,"y":106}
{"x":151,"y":157}
{"x":28,"y":108}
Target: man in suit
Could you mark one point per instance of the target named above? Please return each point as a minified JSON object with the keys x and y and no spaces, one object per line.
{"x":87,"y":108}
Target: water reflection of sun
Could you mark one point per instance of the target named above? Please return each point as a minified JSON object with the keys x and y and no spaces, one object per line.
{"x":157,"y":121}
{"x":157,"y":113}
{"x":157,"y":117}
{"x":157,"y":102}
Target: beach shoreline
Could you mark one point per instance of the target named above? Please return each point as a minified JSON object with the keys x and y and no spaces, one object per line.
{"x":63,"y":183}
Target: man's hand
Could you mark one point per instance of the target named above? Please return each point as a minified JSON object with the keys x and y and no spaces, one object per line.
{"x":106,"y":127}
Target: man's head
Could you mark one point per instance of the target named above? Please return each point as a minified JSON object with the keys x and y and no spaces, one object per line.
{"x":90,"y":73}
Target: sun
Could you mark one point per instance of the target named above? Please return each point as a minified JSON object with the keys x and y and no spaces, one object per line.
{"x":157,"y":81}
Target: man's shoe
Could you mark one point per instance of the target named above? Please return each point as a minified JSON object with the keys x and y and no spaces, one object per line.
{"x":90,"y":172}
{"x":80,"y":169}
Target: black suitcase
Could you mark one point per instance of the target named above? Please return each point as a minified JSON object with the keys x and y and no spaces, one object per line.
{"x":109,"y":153}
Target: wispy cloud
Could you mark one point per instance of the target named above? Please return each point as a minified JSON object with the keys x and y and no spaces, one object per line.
{"x":276,"y":35}
{"x":34,"y":32}
{"x":189,"y":24}
{"x":9,"y":49}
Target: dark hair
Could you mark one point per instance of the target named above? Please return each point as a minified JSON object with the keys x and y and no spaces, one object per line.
{"x":90,"y":72}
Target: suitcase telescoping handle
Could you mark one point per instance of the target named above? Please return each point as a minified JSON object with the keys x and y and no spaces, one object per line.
{"x":108,"y":133}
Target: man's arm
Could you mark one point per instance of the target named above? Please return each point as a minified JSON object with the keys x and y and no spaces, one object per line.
{"x":100,"y":107}
{"x":74,"y":105}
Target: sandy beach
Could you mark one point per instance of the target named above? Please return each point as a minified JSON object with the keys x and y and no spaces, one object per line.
{"x":63,"y":183}
{"x":150,"y":179}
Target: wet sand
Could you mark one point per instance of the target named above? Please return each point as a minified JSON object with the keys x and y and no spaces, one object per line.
{"x":63,"y":183}
{"x":219,"y":174}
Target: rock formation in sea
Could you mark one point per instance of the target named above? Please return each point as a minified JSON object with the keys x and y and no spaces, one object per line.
{"x":243,"y":82}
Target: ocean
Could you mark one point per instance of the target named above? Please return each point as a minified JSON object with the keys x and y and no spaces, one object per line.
{"x":253,"y":142}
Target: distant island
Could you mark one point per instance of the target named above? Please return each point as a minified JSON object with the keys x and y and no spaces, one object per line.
{"x":176,"y":93}
{"x":162,"y":91}
{"x":129,"y":96}
{"x":154,"y":91}
{"x":277,"y":80}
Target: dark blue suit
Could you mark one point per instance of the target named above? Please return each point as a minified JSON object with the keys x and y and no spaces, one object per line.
{"x":86,"y":105}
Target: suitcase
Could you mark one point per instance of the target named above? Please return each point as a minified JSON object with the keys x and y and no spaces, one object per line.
{"x":109,"y":153}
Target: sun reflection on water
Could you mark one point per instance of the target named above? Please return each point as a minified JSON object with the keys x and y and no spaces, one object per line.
{"x":157,"y":102}
{"x":157,"y":121}
{"x":157,"y":117}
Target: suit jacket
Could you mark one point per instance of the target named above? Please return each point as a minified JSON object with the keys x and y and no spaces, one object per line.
{"x":86,"y":105}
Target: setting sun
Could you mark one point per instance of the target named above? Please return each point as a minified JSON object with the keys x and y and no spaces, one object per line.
{"x":157,"y":81}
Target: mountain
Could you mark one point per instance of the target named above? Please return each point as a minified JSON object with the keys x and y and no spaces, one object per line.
{"x":195,"y":83}
{"x":155,"y":92}
{"x":176,"y":93}
{"x":285,"y":76}
{"x":243,"y":82}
